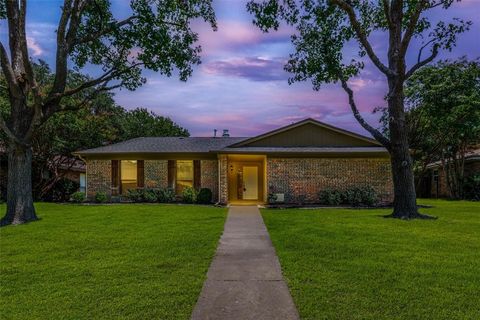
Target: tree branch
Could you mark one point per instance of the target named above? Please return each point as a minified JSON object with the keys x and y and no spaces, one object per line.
{"x":362,"y":36}
{"x":386,"y":9}
{"x":61,"y":54}
{"x":420,"y":64}
{"x":411,"y":26}
{"x":375,"y":133}
{"x":107,"y":30}
{"x":9,"y":133}
{"x":119,"y":24}
{"x":75,"y":20}
{"x":8,"y":71}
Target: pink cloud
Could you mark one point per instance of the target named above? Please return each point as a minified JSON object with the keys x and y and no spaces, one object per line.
{"x":252,"y":68}
{"x":233,"y":34}
{"x":34,"y":46}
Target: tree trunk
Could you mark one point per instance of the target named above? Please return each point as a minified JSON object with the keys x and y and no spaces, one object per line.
{"x":20,"y":207}
{"x":405,"y":201}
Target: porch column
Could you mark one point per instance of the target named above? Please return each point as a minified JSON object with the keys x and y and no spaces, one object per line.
{"x":222,"y":178}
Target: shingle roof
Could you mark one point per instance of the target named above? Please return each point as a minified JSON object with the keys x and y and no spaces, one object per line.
{"x":473,"y":155}
{"x":322,"y":150}
{"x":165,"y":145}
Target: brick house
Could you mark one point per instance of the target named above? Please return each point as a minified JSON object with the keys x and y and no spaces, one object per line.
{"x":68,"y":167}
{"x":294,"y":162}
{"x":434,"y":183}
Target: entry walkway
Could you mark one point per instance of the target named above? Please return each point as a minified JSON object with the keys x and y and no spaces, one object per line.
{"x":245,"y":280}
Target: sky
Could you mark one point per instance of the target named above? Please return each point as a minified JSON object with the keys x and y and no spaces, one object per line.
{"x":240,"y":84}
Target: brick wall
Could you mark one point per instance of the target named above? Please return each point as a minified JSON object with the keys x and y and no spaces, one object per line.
{"x":156,"y":176}
{"x":209,"y":176}
{"x":299,"y":178}
{"x":223,"y":179}
{"x":156,"y":173}
{"x":99,"y":177}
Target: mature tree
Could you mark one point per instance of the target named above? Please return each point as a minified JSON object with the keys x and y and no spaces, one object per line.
{"x":140,"y":122}
{"x":324,"y":28}
{"x":157,"y":35}
{"x":91,"y":123}
{"x":443,"y":112}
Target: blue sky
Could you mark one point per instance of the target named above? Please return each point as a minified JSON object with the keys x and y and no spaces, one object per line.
{"x":240,"y":84}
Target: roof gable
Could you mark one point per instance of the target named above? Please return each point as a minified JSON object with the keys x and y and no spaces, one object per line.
{"x":308,"y":133}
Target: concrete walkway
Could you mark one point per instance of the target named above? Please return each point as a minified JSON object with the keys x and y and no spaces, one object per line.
{"x":245,"y":280}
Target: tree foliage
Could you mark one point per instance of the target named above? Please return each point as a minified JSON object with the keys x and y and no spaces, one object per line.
{"x":443,"y":103}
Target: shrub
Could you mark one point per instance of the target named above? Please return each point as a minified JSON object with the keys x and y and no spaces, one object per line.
{"x":358,"y":196}
{"x":204,"y":196}
{"x":189,"y":195}
{"x":471,"y":188}
{"x":301,"y":199}
{"x":150,"y":195}
{"x":166,"y":195}
{"x":61,"y":191}
{"x":330,"y":197}
{"x":142,"y":195}
{"x":272,"y":198}
{"x":78,"y":197}
{"x":135,"y":195}
{"x":100,"y":197}
{"x":353,"y":197}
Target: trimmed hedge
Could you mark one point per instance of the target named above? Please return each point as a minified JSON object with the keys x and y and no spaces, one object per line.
{"x":167,"y":195}
{"x":189,"y":195}
{"x":101,"y":197}
{"x":356,"y":196}
{"x":78,"y":197}
{"x":204,"y":196}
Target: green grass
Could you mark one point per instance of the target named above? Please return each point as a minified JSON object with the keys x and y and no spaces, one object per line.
{"x":354,"y":264}
{"x":107,"y":262}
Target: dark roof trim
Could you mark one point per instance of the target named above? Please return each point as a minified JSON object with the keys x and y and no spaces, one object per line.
{"x":300,"y":123}
{"x":438,"y":164}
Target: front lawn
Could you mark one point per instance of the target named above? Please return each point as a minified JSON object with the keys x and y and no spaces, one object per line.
{"x":354,"y":264}
{"x":107,"y":262}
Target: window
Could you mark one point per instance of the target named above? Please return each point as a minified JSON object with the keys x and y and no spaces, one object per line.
{"x":83,"y":184}
{"x":435,"y":175}
{"x":184,"y":169}
{"x":128,"y":173}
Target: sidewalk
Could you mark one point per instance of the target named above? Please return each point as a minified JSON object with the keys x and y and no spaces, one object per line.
{"x":245,"y":280}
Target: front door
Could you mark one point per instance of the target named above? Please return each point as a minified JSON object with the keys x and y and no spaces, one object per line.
{"x":250,"y":183}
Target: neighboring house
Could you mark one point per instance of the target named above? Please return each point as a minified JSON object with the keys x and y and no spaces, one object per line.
{"x":434,"y":183}
{"x":294,"y":162}
{"x":69,"y":168}
{"x":74,"y":169}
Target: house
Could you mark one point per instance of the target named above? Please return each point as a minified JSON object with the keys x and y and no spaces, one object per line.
{"x":434,"y":182}
{"x":294,"y":162}
{"x":73,"y":169}
{"x":68,"y":167}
